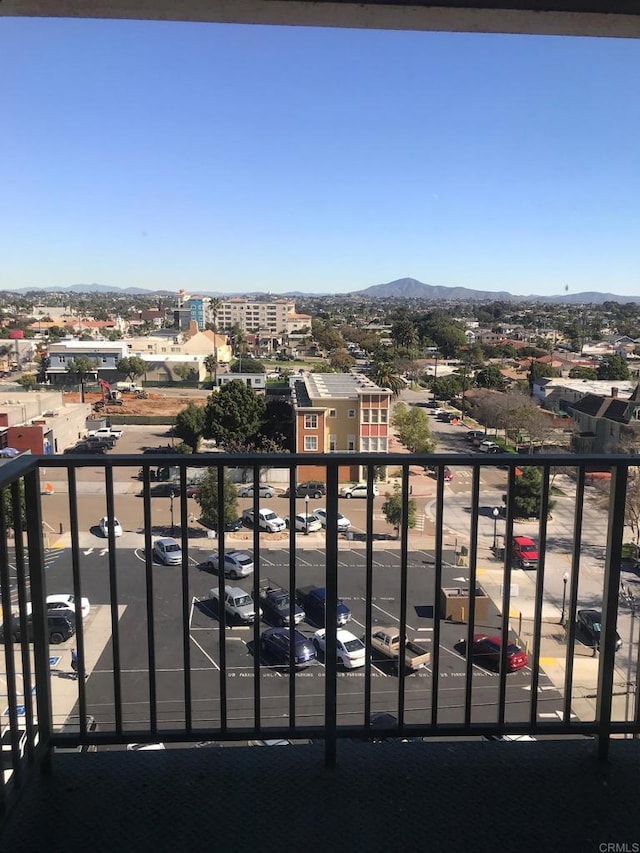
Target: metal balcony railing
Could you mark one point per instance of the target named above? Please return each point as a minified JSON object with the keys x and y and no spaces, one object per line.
{"x":163,"y":665}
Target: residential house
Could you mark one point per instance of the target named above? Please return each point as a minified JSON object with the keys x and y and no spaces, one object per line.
{"x":606,"y":424}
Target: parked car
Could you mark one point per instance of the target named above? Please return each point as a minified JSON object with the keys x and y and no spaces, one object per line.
{"x":274,"y":644}
{"x":237,"y":564}
{"x":312,"y":599}
{"x":85,"y":447}
{"x":229,"y":526}
{"x":588,"y":629}
{"x":304,"y":523}
{"x":525,"y":552}
{"x":359,"y":490}
{"x":350,"y":651}
{"x":268,"y":520}
{"x":61,"y":626}
{"x":276,"y":604}
{"x":67,"y":601}
{"x":312,"y":489}
{"x":447,"y":476}
{"x":488,"y":447}
{"x":488,"y":652}
{"x":168,"y":551}
{"x":436,"y":411}
{"x":630,"y":564}
{"x":475,"y":435}
{"x":343,"y":523}
{"x":104,"y":526}
{"x":237,"y":603}
{"x":264,"y":491}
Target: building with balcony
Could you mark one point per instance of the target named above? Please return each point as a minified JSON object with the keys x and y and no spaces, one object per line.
{"x":338,"y":413}
{"x":256,"y":316}
{"x":104,"y":354}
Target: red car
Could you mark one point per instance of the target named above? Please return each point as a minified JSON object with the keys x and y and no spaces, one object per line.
{"x":489,"y":652}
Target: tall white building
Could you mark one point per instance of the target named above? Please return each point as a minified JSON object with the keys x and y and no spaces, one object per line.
{"x":252,"y":316}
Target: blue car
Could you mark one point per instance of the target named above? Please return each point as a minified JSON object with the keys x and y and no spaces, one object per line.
{"x":274,"y":645}
{"x":312,"y":600}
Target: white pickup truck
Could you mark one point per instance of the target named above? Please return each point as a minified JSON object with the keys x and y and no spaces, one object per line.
{"x":237,"y":603}
{"x":267,"y":520}
{"x":109,"y":432}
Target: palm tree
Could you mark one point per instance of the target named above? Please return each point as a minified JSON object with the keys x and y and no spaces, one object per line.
{"x":211,"y":364}
{"x":386,"y":375}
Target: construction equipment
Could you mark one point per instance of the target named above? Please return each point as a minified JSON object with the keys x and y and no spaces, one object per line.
{"x":109,"y":396}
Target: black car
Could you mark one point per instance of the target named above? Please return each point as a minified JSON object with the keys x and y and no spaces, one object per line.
{"x":87,"y":447}
{"x":381,"y":721}
{"x":312,"y":489}
{"x":229,"y":526}
{"x":274,"y":645}
{"x":630,"y":564}
{"x":61,"y":625}
{"x":588,"y":628}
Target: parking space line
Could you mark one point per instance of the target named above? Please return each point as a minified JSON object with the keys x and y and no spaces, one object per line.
{"x":208,"y":657}
{"x":395,"y":618}
{"x":264,"y":560}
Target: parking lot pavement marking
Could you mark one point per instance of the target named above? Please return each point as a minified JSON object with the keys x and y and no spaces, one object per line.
{"x":424,"y":629}
{"x":395,"y":618}
{"x":104,"y":551}
{"x":208,"y":656}
{"x":88,"y":551}
{"x":264,"y":560}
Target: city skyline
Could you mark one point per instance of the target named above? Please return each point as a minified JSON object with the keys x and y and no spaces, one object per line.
{"x":228,"y":159}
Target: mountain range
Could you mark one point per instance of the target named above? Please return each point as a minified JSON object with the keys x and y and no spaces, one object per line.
{"x":401,"y":288}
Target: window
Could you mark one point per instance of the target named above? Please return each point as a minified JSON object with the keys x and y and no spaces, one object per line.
{"x":374,"y":445}
{"x":374,"y":415}
{"x":332,"y":413}
{"x":311,"y":422}
{"x":352,"y":413}
{"x":382,"y":445}
{"x":332,"y":444}
{"x":364,"y":445}
{"x":383,"y":416}
{"x":310,"y":442}
{"x":351,"y":443}
{"x":104,"y":359}
{"x":365,"y":415}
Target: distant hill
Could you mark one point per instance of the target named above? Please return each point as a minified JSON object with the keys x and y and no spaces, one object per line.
{"x":411,"y":288}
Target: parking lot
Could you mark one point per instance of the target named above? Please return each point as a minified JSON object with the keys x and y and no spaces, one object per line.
{"x":206,"y":660}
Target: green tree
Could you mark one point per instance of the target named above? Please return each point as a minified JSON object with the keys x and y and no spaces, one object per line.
{"x":185,"y":372}
{"x":539,"y":369}
{"x":207,"y":498}
{"x":277,"y":423}
{"x":582,"y":373}
{"x":413,"y":429}
{"x":392,"y":511}
{"x":341,"y":359}
{"x":82,"y":367}
{"x":403,"y":333}
{"x":28,"y":381}
{"x":385,"y":375}
{"x":490,"y":377}
{"x":132,"y":367}
{"x":190,"y":425}
{"x":447,"y":387}
{"x":527,"y":492}
{"x":613,"y":367}
{"x":245,"y":364}
{"x":234,"y":413}
{"x":211,"y":365}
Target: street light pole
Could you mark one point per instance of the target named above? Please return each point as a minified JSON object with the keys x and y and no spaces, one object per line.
{"x":496,"y":513}
{"x":563,"y":617}
{"x":306,"y":515}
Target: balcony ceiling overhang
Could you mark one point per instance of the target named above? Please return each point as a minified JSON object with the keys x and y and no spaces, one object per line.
{"x":616,"y":18}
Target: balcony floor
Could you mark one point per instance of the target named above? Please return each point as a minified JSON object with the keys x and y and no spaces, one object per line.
{"x":481,"y":796}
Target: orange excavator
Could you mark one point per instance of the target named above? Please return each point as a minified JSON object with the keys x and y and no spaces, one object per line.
{"x":109,"y":396}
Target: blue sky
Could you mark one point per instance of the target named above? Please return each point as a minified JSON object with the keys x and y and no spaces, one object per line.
{"x":228,"y":158}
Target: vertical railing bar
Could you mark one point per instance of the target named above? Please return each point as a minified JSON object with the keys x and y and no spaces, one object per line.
{"x":75,"y":571}
{"x":21,"y":582}
{"x":404,"y":559}
{"x":570,"y":624}
{"x":222,"y":622}
{"x":9,"y":655}
{"x":186,"y":600}
{"x":115,"y":621}
{"x":473,"y":566}
{"x":437,"y":604}
{"x":148,"y":568}
{"x":539,"y":593}
{"x":506,"y":596}
{"x":368,"y":605}
{"x":611,"y":589}
{"x":257,"y":683}
{"x":38,"y":610}
{"x":331,"y":612}
{"x":293,"y":546}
